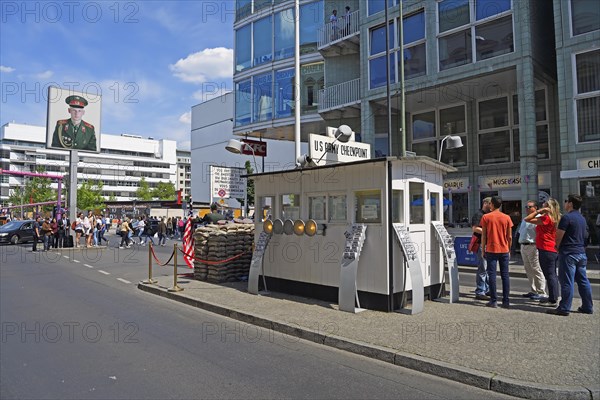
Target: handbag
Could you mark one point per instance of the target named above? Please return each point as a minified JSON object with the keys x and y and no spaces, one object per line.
{"x":474,"y":244}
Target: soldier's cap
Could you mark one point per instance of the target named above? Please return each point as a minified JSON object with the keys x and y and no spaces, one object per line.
{"x":76,"y":101}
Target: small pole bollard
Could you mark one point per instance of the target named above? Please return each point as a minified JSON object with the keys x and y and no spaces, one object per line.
{"x":175,"y":287}
{"x":150,"y":281}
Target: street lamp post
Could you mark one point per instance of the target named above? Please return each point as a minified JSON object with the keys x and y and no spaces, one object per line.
{"x":235,"y":146}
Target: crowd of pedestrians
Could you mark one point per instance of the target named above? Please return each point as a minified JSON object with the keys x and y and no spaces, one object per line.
{"x":548,"y":240}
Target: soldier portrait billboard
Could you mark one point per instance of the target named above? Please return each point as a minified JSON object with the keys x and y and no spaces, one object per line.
{"x":73,"y":120}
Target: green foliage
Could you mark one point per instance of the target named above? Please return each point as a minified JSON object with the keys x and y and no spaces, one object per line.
{"x":89,"y":196}
{"x":249,"y":187}
{"x":164,"y":191}
{"x":144,"y":193}
{"x":112,"y":197}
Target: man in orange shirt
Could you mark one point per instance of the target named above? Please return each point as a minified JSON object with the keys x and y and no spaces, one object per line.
{"x":496,"y":241}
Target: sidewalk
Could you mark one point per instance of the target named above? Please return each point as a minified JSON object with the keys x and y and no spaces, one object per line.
{"x":521,"y":352}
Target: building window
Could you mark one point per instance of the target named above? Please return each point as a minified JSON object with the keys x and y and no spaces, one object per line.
{"x":311,"y":19}
{"x":473,"y":31}
{"x":312,"y":81}
{"x":415,"y":60}
{"x":587,"y":95}
{"x":243,"y":47}
{"x":368,"y":206}
{"x":263,"y":97}
{"x":284,"y":34}
{"x":262,"y":35}
{"x":494,"y":138}
{"x":243,"y":102}
{"x":377,"y":68}
{"x":430,"y":128}
{"x":585,"y":16}
{"x":375,"y":6}
{"x":284,"y":93}
{"x":243,"y":9}
{"x":494,"y":147}
{"x":417,"y":202}
{"x":290,"y":206}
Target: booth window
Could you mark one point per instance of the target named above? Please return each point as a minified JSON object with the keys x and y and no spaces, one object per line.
{"x":290,"y":206}
{"x":317,"y":207}
{"x":417,"y":203}
{"x":398,"y":206}
{"x":368,"y":206}
{"x":337,"y":208}
{"x":266,"y":205}
{"x":434,"y":203}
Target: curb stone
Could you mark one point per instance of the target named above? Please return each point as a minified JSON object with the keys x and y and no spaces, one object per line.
{"x":468,"y":376}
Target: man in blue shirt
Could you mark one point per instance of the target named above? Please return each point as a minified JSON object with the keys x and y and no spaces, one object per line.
{"x":570,"y":243}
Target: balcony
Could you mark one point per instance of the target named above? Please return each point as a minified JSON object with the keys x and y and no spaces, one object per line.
{"x":343,"y":96}
{"x":340,"y":38}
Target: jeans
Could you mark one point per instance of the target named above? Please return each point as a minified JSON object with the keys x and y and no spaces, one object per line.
{"x":162,"y":239}
{"x":572,"y":268}
{"x":492,"y":260}
{"x":548,"y":264}
{"x":46,"y":240}
{"x":481,"y":279}
{"x":140,"y":235}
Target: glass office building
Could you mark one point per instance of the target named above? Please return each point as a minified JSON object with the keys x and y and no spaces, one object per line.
{"x":516,"y":80}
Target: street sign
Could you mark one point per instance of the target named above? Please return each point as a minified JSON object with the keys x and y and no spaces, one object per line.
{"x":325,"y":150}
{"x":260,"y":148}
{"x":227,"y":182}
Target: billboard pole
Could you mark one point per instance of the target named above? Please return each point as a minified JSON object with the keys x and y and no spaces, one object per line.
{"x":73,"y":161}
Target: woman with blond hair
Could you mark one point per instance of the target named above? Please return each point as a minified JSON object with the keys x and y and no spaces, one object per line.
{"x":546,"y":220}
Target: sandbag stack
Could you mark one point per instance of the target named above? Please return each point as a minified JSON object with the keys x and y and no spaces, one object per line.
{"x":222,"y":242}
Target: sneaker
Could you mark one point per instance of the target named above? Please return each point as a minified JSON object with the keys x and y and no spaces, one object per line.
{"x":491,"y":304}
{"x":129,"y":246}
{"x":505,"y":305}
{"x":535,"y":296}
{"x":482,"y":297}
{"x":581,"y":311}
{"x":548,"y":303}
{"x":530,"y":295}
{"x":556,"y":311}
{"x":121,"y":247}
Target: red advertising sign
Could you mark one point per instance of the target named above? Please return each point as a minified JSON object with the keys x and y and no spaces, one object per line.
{"x":260,"y":148}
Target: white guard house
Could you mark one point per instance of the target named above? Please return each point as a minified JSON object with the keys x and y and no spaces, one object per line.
{"x":360,"y":234}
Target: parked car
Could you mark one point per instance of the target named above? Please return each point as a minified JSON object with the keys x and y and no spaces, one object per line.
{"x":16,"y":232}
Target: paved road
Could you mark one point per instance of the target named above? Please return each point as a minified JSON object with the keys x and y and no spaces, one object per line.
{"x":74,"y":326}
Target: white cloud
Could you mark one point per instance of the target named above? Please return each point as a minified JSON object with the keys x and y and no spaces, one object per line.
{"x":44,"y":75}
{"x":186,"y":118}
{"x":7,"y":70}
{"x":204,"y":65}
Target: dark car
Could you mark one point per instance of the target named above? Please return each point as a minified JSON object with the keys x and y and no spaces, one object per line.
{"x":16,"y":232}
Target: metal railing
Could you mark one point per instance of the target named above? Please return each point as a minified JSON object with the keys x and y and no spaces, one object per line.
{"x":342,"y":28}
{"x":339,"y":95}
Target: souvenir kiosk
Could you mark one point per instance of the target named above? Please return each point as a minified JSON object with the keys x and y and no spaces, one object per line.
{"x":360,"y":234}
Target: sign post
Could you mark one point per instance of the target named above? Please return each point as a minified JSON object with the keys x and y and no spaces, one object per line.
{"x":226,"y":182}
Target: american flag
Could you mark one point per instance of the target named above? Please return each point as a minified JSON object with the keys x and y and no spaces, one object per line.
{"x":188,"y":244}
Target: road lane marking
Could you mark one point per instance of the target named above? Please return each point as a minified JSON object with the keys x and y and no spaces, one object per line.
{"x":104,"y":272}
{"x":123,"y":280}
{"x":67,"y":257}
{"x":77,"y":261}
{"x":88,"y":265}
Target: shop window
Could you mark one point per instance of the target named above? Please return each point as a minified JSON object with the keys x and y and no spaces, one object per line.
{"x":290,"y":207}
{"x":337,"y":208}
{"x":398,"y":206}
{"x":417,"y":202}
{"x":368,"y":206}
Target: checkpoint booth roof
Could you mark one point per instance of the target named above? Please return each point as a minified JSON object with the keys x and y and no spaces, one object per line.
{"x":357,"y":212}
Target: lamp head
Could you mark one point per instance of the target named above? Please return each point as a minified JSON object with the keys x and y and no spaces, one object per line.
{"x":234,"y":146}
{"x":343,"y":133}
{"x":305,"y":161}
{"x":454,"y":142}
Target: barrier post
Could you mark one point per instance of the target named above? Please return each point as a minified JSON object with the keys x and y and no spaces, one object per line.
{"x":175,"y":287}
{"x":150,"y":281}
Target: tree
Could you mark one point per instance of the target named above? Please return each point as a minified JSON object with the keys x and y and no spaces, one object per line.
{"x":164,"y":191}
{"x":249,"y":188}
{"x":144,"y":192}
{"x":89,"y":195}
{"x":38,"y":190}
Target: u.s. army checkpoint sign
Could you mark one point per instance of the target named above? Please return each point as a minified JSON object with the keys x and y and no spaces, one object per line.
{"x":326,"y":150}
{"x":227,"y":182}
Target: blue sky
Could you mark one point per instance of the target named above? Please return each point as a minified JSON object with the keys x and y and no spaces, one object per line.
{"x":151,"y":60}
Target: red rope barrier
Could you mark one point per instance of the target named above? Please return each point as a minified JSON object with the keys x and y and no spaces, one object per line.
{"x":212,"y":262}
{"x":158,"y":261}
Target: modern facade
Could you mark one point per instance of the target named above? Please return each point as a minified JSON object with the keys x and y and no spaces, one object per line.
{"x":184,"y":173}
{"x":497,"y":73}
{"x":121,"y":164}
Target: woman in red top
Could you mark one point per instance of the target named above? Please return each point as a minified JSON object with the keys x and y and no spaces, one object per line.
{"x":546,"y":219}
